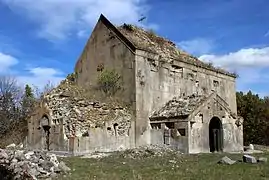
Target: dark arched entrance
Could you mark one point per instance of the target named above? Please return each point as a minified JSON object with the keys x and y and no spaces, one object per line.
{"x":46,"y":131}
{"x":215,"y":135}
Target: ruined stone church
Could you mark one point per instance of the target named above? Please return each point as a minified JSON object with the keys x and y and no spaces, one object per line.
{"x":176,"y":99}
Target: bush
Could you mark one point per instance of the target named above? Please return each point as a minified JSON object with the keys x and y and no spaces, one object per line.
{"x":109,"y":82}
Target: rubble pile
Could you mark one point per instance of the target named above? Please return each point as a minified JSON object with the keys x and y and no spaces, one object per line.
{"x":79,"y":113}
{"x":179,"y":106}
{"x":148,"y":151}
{"x":149,"y":41}
{"x":21,"y":164}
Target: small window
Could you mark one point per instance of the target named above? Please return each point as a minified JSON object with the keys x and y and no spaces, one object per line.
{"x":100,"y":67}
{"x":202,"y":117}
{"x":170,"y":125}
{"x":155,"y":125}
{"x":182,"y":131}
{"x":176,"y":71}
{"x":216,"y":83}
{"x":153,"y":65}
{"x":197,"y":84}
{"x":176,"y":67}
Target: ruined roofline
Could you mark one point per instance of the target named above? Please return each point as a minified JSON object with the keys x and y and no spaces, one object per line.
{"x":158,"y":119}
{"x":180,"y":57}
{"x":198,"y":64}
{"x":108,"y":24}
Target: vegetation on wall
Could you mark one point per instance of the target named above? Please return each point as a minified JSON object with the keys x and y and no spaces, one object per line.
{"x":255,"y":111}
{"x":109,"y":81}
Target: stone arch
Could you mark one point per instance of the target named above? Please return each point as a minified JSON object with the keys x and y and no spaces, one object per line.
{"x":215,"y":135}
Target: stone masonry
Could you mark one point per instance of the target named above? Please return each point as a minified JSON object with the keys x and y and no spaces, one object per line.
{"x":173,"y":98}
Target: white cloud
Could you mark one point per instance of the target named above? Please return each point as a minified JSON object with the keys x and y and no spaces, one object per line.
{"x":37,"y":76}
{"x":6,"y":62}
{"x":59,"y":18}
{"x":251,"y":57}
{"x":40,"y":76}
{"x":251,"y":64}
{"x":197,"y":46}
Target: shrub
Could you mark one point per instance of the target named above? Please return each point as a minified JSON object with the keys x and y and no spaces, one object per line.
{"x":109,"y":82}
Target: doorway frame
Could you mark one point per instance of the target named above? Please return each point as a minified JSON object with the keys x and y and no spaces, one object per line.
{"x":215,"y":135}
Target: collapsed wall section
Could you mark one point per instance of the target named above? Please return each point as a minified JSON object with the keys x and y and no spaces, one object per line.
{"x":68,"y":121}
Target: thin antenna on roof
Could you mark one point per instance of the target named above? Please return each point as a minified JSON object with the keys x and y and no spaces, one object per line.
{"x":142,"y":19}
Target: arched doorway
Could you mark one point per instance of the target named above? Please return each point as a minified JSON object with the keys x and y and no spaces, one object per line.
{"x":46,"y":131}
{"x":215,"y":135}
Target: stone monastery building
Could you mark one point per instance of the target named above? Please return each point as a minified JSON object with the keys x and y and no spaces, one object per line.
{"x":175,"y":99}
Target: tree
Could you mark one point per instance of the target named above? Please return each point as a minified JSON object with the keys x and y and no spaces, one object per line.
{"x":255,"y":111}
{"x":27,"y":101}
{"x":10,"y":98}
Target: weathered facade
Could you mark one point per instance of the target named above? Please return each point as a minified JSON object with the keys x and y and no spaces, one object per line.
{"x":175,"y":98}
{"x":67,"y":122}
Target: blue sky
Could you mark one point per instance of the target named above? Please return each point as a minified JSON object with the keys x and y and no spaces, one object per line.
{"x":40,"y":41}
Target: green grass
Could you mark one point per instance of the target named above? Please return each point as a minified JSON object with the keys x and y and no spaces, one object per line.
{"x":187,"y":167}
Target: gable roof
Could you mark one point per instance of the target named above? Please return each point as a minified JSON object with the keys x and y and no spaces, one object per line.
{"x":185,"y":107}
{"x":179,"y":107}
{"x":137,"y":38}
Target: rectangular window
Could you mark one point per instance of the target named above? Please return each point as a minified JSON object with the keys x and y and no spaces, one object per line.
{"x":176,"y":71}
{"x":182,"y":131}
{"x":170,"y":125}
{"x":216,"y":83}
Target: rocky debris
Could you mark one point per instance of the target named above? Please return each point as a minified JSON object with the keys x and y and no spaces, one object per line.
{"x":261,"y":148}
{"x":21,"y":164}
{"x":246,"y":159}
{"x":249,"y":159}
{"x":249,"y":151}
{"x":69,"y":105}
{"x":96,"y":155}
{"x":148,"y":151}
{"x":251,"y":147}
{"x":11,"y":146}
{"x":172,"y":161}
{"x":262,"y":159}
{"x":179,"y":106}
{"x":62,"y":167}
{"x":226,"y":160}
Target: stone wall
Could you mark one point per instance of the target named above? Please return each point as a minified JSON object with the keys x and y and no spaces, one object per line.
{"x":65,"y":116}
{"x":100,"y":140}
{"x":199,"y":128}
{"x":158,"y":80}
{"x":105,"y":50}
{"x":172,"y":133}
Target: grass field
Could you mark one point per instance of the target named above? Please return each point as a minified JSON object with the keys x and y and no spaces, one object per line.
{"x":182,"y":167}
